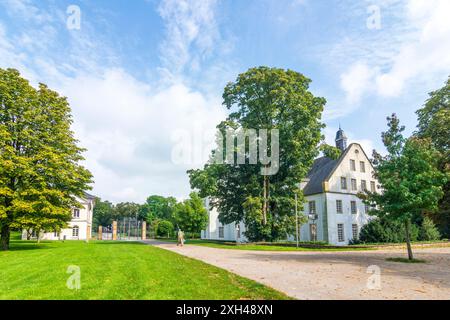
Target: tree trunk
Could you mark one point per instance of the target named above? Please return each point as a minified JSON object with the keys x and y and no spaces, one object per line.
{"x":408,"y":239}
{"x":265,"y":201}
{"x":5,"y":235}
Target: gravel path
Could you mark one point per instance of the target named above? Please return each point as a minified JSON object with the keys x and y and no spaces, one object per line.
{"x":334,"y":275}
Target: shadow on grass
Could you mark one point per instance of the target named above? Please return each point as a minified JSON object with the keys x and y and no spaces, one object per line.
{"x":28,"y":245}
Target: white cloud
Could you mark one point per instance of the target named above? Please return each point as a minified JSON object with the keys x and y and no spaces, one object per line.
{"x":190,"y":24}
{"x":125,"y":123}
{"x":357,"y":81}
{"x":415,"y":49}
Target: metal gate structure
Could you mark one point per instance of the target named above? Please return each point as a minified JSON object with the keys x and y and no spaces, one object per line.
{"x":125,"y":229}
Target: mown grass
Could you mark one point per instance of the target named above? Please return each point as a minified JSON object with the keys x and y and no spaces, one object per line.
{"x":116,"y":271}
{"x":272,"y":247}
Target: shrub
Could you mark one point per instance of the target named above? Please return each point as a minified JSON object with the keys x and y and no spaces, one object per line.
{"x":164,"y":228}
{"x":381,"y":230}
{"x":428,"y":231}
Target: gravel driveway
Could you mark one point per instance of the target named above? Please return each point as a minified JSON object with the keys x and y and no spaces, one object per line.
{"x":334,"y":275}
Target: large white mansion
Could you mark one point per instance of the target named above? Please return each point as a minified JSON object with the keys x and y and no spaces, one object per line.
{"x":79,"y":228}
{"x":335,"y":213}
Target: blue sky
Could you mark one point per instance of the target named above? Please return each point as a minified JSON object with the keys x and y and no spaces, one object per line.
{"x":141,"y":74}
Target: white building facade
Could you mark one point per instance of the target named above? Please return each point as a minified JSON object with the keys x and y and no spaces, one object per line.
{"x":79,"y":228}
{"x":335,"y":213}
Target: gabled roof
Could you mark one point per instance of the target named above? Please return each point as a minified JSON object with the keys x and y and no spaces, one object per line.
{"x":89,"y":196}
{"x":319,"y":172}
{"x":322,"y":170}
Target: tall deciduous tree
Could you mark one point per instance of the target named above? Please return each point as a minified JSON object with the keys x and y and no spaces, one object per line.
{"x":190,"y":215}
{"x":409,"y":177}
{"x":265,"y":98}
{"x":40,"y":171}
{"x":103,"y":213}
{"x":434,"y":123}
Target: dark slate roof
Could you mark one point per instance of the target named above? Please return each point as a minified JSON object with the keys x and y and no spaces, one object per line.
{"x":320,"y":170}
{"x":89,"y":196}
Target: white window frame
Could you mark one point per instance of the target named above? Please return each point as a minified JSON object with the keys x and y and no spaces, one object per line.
{"x":352,"y":165}
{"x":354,"y":184}
{"x":340,"y":232}
{"x":75,"y":231}
{"x":373,"y":187}
{"x":363,"y":185}
{"x":353,"y":207}
{"x":343,"y":183}
{"x":76,"y":213}
{"x":362,"y":166}
{"x":339,"y":208}
{"x":355,"y":231}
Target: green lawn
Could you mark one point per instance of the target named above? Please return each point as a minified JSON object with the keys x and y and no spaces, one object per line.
{"x":117,"y":270}
{"x":271,"y":247}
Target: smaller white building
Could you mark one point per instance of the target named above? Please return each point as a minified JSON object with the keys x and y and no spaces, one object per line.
{"x":79,"y":228}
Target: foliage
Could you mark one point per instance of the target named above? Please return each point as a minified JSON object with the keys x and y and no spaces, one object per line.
{"x":158,"y":207}
{"x":409,"y":177}
{"x":103,"y":213}
{"x":330,"y":151}
{"x":190,"y":215}
{"x":164,"y":228}
{"x":126,"y":210}
{"x":383,"y":230}
{"x":434,"y":123}
{"x":428,"y":230}
{"x":40,"y":174}
{"x":265,"y":98}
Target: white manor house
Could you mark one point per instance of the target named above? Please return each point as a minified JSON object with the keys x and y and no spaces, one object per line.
{"x":79,"y":227}
{"x":335,"y":213}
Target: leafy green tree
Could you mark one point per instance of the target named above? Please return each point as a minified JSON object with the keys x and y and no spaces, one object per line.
{"x":434,"y":123}
{"x":103,"y":213}
{"x":158,"y":207}
{"x":330,"y":151}
{"x":409,"y":177}
{"x":265,"y":98}
{"x":428,"y":230}
{"x":164,"y":228}
{"x":40,"y":171}
{"x":126,"y":210}
{"x":190,"y":215}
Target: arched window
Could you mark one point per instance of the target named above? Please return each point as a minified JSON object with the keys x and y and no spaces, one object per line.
{"x":75,"y":231}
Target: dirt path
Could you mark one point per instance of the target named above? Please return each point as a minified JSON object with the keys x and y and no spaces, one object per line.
{"x":334,"y":275}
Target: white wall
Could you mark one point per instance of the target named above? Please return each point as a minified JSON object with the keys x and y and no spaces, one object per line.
{"x":84,"y":223}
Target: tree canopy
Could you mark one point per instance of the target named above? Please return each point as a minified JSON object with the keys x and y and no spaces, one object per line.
{"x":40,"y":172}
{"x":265,"y":98}
{"x":409,"y":177}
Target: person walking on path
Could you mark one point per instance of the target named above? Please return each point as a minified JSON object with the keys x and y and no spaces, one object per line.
{"x":180,"y":238}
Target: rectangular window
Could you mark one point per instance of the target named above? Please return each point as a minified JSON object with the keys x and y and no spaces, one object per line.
{"x":354,"y":187}
{"x":355,"y":231}
{"x":343,"y":183}
{"x":339,"y":206}
{"x":352,"y":165}
{"x":312,"y":207}
{"x":366,"y":208}
{"x":221,"y":234}
{"x":363,"y":185}
{"x":238,"y":229}
{"x":362,"y":166}
{"x":353,"y":207}
{"x":372,"y":186}
{"x":76,"y":213}
{"x":340,"y":229}
{"x":75,"y":231}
